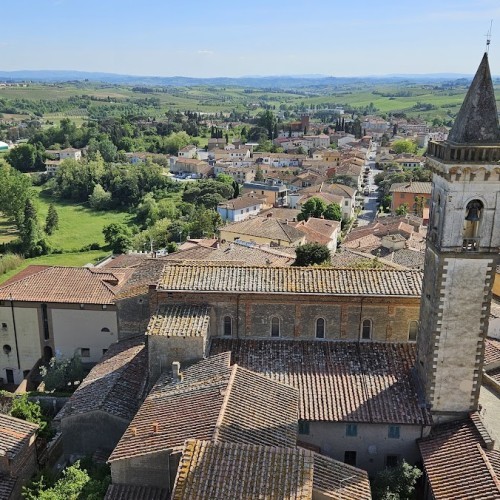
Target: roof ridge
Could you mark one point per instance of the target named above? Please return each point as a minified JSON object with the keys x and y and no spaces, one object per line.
{"x":227,"y":394}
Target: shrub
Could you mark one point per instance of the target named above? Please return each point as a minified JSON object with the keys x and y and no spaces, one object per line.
{"x":10,"y":261}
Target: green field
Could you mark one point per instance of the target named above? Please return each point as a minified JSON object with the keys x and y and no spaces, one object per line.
{"x":385,"y":97}
{"x":78,"y":225}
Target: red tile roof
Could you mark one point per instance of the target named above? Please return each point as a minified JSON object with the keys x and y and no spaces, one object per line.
{"x":24,"y":274}
{"x":115,"y":385}
{"x":133,"y":492}
{"x":491,"y":351}
{"x":78,"y":285}
{"x":338,"y":381}
{"x":212,"y":402}
{"x":337,"y":480}
{"x":182,"y":320}
{"x":210,"y":470}
{"x":7,"y":485}
{"x":15,"y":434}
{"x":457,"y":462}
{"x":311,"y":280}
{"x":229,"y":471}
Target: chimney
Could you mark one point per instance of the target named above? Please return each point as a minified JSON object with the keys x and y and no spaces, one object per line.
{"x":155,"y":427}
{"x":286,"y":222}
{"x":176,"y":371}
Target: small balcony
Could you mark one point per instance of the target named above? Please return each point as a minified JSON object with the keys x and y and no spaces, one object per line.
{"x":471,"y":244}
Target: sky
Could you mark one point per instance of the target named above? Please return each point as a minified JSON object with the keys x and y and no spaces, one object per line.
{"x":207,"y":38}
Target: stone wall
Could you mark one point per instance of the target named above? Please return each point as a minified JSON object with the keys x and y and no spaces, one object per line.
{"x":371,"y":444}
{"x":163,"y":351}
{"x":83,"y":434}
{"x":152,"y":469}
{"x":133,"y":316}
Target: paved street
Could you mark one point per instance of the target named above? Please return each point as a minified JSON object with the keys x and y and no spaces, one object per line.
{"x":370,"y":202}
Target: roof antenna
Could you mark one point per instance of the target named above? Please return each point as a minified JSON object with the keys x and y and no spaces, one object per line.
{"x":488,"y":37}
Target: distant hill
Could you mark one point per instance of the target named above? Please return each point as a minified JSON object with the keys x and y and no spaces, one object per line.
{"x":295,"y":81}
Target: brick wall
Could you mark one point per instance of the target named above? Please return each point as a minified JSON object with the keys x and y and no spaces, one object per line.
{"x":252,"y":313}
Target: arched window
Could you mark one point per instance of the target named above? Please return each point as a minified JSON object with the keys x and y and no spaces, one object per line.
{"x":105,"y":330}
{"x":412,"y":331}
{"x":275,"y":327}
{"x":320,"y":328}
{"x":366,"y":329}
{"x":7,"y":349}
{"x":228,"y":326}
{"x":473,"y":213}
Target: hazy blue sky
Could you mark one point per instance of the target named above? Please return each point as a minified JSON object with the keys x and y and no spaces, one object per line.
{"x":255,"y":37}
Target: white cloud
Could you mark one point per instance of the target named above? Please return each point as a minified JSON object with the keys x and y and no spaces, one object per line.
{"x":206,"y":52}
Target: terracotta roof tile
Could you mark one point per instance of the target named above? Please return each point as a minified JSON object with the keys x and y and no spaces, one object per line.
{"x":133,"y":492}
{"x":412,"y":187}
{"x":491,"y":351}
{"x":115,"y":385}
{"x":14,"y":435}
{"x":77,"y":285}
{"x":179,"y":321}
{"x":338,"y":381}
{"x":340,"y":481}
{"x":237,"y":253}
{"x":7,"y":485}
{"x":242,"y":279}
{"x":212,"y":402}
{"x":267,"y":227}
{"x":226,"y":470}
{"x":457,"y":463}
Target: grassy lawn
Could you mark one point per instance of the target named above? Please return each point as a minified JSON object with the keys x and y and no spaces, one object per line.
{"x":65,"y":259}
{"x":78,"y":225}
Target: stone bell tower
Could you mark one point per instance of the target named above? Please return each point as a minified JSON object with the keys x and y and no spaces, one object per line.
{"x":462,"y":252}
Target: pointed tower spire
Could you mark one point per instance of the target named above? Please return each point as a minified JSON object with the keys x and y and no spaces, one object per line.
{"x":477,"y":120}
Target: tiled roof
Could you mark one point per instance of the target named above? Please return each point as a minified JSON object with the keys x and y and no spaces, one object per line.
{"x":14,"y":435}
{"x":349,"y":258}
{"x":412,"y":187}
{"x":457,"y":462}
{"x":268,"y":227}
{"x":312,"y":280}
{"x":7,"y":484}
{"x":338,"y":381}
{"x":337,"y":480}
{"x":179,"y":321}
{"x":491,"y":351}
{"x":125,"y":260}
{"x":280,"y":213}
{"x":244,"y":201}
{"x":236,"y":253}
{"x":234,"y":471}
{"x":78,"y":285}
{"x":115,"y":385}
{"x":212,"y":402}
{"x":132,"y":492}
{"x":494,"y":374}
{"x":406,"y":257}
{"x":33,"y":269}
{"x":145,"y":274}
